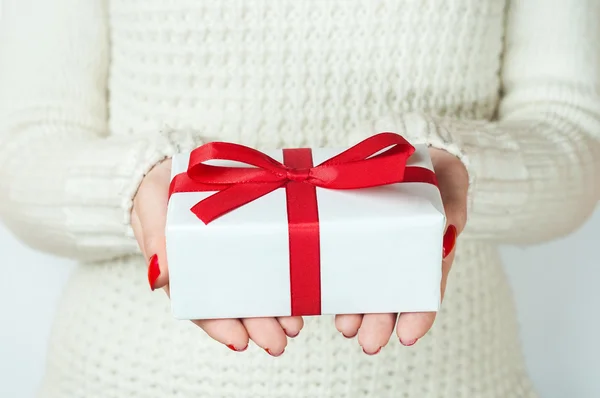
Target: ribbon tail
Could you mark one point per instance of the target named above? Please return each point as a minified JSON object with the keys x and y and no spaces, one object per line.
{"x":420,"y":174}
{"x":231,"y":198}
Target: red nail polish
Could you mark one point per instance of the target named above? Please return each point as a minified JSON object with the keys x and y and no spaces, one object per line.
{"x":273,"y":355}
{"x":449,"y":240}
{"x":232,"y":348}
{"x":153,"y":271}
{"x":350,"y":337}
{"x":409,"y":343}
{"x":372,"y":353}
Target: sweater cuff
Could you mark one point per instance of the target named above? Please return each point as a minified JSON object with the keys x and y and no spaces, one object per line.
{"x":419,"y":128}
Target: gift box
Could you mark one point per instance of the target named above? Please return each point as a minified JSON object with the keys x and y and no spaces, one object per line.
{"x":304,"y":231}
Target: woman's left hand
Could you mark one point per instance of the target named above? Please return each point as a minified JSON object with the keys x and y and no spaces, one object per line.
{"x":374,"y":330}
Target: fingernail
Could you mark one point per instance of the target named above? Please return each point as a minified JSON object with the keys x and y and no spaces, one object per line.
{"x":449,"y":240}
{"x":290,"y":335}
{"x":372,"y":353}
{"x":153,"y":271}
{"x":408,"y":343}
{"x":273,"y":355}
{"x":232,"y":348}
{"x":350,"y":337}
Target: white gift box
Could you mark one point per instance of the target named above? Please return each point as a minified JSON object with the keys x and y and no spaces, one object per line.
{"x":380,"y":250}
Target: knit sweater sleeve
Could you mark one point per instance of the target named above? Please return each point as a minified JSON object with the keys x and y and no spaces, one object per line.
{"x":535,"y":170}
{"x":66,"y":183}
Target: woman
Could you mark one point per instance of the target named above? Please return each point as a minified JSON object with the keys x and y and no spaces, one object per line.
{"x":97,"y":95}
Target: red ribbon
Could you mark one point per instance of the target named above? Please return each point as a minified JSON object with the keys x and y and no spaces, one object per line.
{"x":376,"y":161}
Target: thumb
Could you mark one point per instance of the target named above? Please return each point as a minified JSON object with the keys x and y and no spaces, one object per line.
{"x":456,"y":213}
{"x":158,"y":269}
{"x":453,"y":183}
{"x":151,"y":209}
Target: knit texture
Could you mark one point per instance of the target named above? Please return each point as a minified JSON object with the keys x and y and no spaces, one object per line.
{"x":94,"y":93}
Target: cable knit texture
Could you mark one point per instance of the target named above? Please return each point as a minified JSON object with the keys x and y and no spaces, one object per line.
{"x":95,"y":93}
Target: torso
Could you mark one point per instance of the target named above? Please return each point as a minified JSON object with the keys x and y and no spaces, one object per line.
{"x":305,"y":72}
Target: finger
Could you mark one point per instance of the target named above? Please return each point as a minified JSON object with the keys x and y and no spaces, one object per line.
{"x":291,"y":325}
{"x":412,"y":326}
{"x":375,"y":332}
{"x":348,"y":324}
{"x":453,"y":189}
{"x":266,"y":333}
{"x":151,"y":208}
{"x":454,"y":193}
{"x":230,"y":332}
{"x":138,"y":231}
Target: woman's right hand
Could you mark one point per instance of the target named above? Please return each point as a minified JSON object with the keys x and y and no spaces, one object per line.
{"x":148,"y":219}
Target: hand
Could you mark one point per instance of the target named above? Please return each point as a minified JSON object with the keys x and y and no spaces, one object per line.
{"x":148,"y":219}
{"x":374,"y":330}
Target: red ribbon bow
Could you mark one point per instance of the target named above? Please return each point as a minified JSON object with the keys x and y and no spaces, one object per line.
{"x":376,"y":161}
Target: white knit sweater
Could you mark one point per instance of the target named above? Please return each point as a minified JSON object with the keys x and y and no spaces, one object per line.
{"x":93,"y":93}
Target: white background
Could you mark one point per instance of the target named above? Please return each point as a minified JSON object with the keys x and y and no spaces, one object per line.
{"x":556,"y":286}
